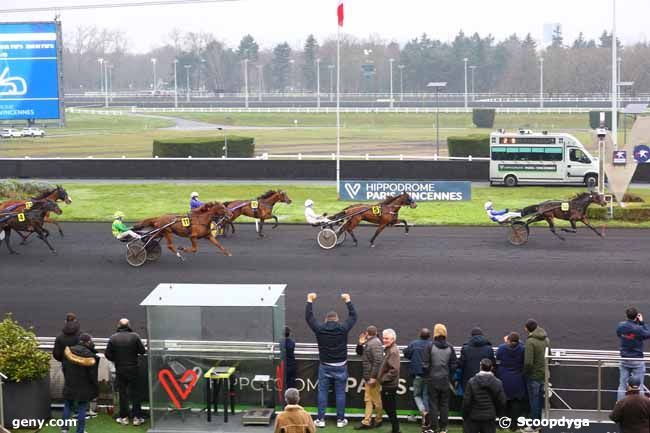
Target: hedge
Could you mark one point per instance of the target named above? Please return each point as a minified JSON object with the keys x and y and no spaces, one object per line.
{"x":483,"y":117}
{"x":204,"y":147}
{"x":632,"y":214}
{"x":477,"y":145}
{"x":594,"y":119}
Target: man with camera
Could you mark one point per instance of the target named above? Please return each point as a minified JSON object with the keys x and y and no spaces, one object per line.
{"x":631,"y":332}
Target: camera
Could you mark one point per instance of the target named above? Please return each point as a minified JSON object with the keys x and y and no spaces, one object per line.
{"x":601,"y":132}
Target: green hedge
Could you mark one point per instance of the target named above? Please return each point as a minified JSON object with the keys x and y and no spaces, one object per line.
{"x":204,"y":147}
{"x":594,"y":119}
{"x":483,"y":117}
{"x":638,"y":214}
{"x":477,"y":145}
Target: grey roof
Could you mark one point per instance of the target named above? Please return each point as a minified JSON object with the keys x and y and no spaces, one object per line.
{"x":214,"y":295}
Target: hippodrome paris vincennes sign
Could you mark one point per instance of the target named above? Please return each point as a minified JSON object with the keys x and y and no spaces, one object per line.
{"x":419,"y":190}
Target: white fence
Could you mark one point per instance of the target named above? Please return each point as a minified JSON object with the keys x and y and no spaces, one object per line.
{"x":267,"y":156}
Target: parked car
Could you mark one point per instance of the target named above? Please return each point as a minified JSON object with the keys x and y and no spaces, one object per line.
{"x":10,"y":133}
{"x":32,"y":132}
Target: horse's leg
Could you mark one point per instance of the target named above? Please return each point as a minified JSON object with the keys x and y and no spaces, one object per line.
{"x":586,"y":222}
{"x":24,"y":238}
{"x":51,"y":221}
{"x":8,"y":241}
{"x":573,"y":228}
{"x":551,"y":227}
{"x":349,"y":227}
{"x":275,"y":225}
{"x":260,"y":234}
{"x":41,"y":235}
{"x":379,"y":230}
{"x":406,"y":225}
{"x":170,"y":245}
{"x":216,"y":243}
{"x":194,"y":248}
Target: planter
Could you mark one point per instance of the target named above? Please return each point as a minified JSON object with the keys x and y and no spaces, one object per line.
{"x":26,"y":400}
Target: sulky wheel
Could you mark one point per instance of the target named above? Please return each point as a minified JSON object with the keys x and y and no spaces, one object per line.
{"x":518,"y":233}
{"x":136,"y":254}
{"x":153,"y":251}
{"x":327,"y":239}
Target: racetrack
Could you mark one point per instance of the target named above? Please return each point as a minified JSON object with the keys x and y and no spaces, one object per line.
{"x":460,"y":276}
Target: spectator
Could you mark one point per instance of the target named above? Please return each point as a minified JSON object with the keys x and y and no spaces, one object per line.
{"x":389,"y":377}
{"x":290,"y":359}
{"x":477,"y":348}
{"x":81,"y":369}
{"x":332,"y":338}
{"x":510,"y":370}
{"x":371,"y":350}
{"x":440,"y":358}
{"x":123,"y":349}
{"x":483,"y":400}
{"x":535,"y":367}
{"x":69,"y":337}
{"x":294,"y":419}
{"x":631,"y":332}
{"x":414,"y":352}
{"x":632,"y":413}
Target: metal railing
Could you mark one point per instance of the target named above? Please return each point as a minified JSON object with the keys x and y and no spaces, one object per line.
{"x":2,"y":414}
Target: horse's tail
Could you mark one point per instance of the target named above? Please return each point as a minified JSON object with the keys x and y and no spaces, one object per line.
{"x":529,"y":210}
{"x":149,"y":222}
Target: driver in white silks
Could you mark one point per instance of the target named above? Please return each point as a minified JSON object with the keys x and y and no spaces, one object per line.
{"x":499,"y":216}
{"x":311,"y":216}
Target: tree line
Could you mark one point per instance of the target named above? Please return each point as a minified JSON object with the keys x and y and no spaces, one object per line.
{"x":511,"y":65}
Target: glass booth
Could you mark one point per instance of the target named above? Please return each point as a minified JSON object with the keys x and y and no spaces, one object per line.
{"x":207,"y":343}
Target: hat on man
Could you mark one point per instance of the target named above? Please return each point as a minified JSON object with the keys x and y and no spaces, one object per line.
{"x":477,"y":331}
{"x":634,"y":382}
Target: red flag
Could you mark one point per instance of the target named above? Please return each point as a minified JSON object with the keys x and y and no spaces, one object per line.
{"x":339,"y":13}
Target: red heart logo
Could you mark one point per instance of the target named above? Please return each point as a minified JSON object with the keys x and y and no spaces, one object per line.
{"x":166,"y":375}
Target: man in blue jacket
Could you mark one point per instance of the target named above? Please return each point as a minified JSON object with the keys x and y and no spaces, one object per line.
{"x":631,"y":332}
{"x":414,"y":352}
{"x":332,"y":338}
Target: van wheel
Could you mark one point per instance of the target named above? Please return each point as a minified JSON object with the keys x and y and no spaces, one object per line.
{"x":591,"y":180}
{"x":510,"y":180}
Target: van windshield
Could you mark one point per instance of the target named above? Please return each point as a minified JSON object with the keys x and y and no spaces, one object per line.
{"x":577,"y":155}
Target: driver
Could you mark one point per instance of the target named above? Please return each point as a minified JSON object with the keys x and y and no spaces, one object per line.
{"x":194,"y":201}
{"x":499,"y":216}
{"x":120,"y":230}
{"x":311,"y":216}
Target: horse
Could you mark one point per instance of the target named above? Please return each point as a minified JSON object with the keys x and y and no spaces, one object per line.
{"x":383,"y":214}
{"x":260,"y":208}
{"x":573,"y":211}
{"x":56,"y":194}
{"x":195,"y":225}
{"x":28,"y":220}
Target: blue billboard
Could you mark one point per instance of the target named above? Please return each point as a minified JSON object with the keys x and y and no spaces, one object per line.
{"x":377,"y":190}
{"x":29,"y":76}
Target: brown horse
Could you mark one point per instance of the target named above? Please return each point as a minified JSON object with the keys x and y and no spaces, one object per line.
{"x":31,"y":220}
{"x":383,"y":214}
{"x":195,"y":225}
{"x":573,"y":211}
{"x":55,"y":194}
{"x":261,"y":208}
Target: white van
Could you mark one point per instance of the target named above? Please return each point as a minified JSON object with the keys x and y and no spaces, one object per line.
{"x":526,"y":157}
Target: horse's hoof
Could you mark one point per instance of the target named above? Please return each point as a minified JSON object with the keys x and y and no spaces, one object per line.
{"x":356,"y":244}
{"x":227,"y":254}
{"x":54,"y":253}
{"x":372,"y":245}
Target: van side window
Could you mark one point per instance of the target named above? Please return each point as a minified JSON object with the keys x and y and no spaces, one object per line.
{"x":577,"y":155}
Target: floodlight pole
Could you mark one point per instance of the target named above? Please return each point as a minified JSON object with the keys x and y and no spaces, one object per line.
{"x":175,"y":84}
{"x":391,"y":60}
{"x":401,"y":83}
{"x":465,"y":61}
{"x":541,"y":82}
{"x":317,"y":83}
{"x":246,"y":82}
{"x":187,"y":85}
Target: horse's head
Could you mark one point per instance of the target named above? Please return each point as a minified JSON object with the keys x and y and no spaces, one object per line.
{"x":596,"y":197}
{"x":48,"y":206}
{"x":284,"y":198}
{"x":406,"y":200}
{"x":62,"y":194}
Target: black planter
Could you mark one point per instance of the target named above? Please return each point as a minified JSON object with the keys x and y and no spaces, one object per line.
{"x":27,"y":400}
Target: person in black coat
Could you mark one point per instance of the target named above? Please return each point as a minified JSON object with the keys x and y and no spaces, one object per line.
{"x":81,"y":368}
{"x":477,"y":348}
{"x":484,"y":399}
{"x":510,"y":370}
{"x":123,"y":349}
{"x":69,"y":337}
{"x":290,"y":359}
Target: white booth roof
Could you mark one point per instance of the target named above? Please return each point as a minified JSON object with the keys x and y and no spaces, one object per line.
{"x":214,"y":295}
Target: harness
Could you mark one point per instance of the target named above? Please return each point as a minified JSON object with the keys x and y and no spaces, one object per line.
{"x":254,"y":204}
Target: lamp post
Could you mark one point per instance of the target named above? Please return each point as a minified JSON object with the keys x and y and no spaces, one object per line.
{"x":175,"y":83}
{"x":401,"y":83}
{"x":541,"y":82}
{"x":391,"y":60}
{"x":259,"y":82}
{"x":155,"y":84}
{"x":331,"y":68}
{"x":291,"y":62}
{"x":437,"y":85}
{"x":225,"y":141}
{"x":465,"y":61}
{"x":100,"y":61}
{"x":102,"y":64}
{"x":110,"y":81}
{"x":615,"y":80}
{"x":201,"y":64}
{"x":317,"y":83}
{"x":473,"y":68}
{"x":246,"y":83}
{"x":187,"y":85}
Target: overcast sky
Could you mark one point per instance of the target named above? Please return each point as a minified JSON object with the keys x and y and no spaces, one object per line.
{"x":274,"y":21}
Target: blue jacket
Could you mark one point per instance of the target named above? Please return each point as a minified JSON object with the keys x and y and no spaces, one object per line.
{"x":332,"y":337}
{"x":632,"y":335}
{"x":510,"y":369}
{"x":477,"y":348}
{"x":194,"y":203}
{"x":414,"y":352}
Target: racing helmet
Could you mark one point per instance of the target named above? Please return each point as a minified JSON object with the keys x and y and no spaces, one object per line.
{"x":309,"y":202}
{"x":487,"y":205}
{"x":118,"y":214}
{"x":194,"y":194}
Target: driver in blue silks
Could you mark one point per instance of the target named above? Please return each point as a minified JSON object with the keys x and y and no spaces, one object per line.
{"x":194,"y":201}
{"x":499,"y":216}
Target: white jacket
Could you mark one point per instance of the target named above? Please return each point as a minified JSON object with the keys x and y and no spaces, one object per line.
{"x":312,"y":218}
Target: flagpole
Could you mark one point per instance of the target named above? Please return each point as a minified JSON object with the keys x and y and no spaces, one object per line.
{"x":338,"y":112}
